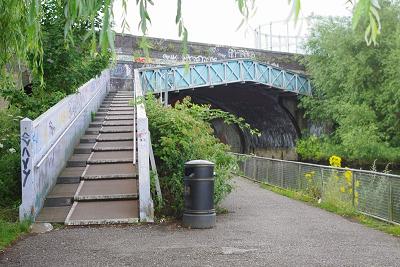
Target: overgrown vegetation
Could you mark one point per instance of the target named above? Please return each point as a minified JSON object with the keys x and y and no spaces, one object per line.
{"x":182,"y":133}
{"x":356,"y":90}
{"x":10,"y":228}
{"x":66,"y":66}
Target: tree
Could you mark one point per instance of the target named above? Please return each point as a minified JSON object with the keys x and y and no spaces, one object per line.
{"x":356,"y":89}
{"x":22,"y":32}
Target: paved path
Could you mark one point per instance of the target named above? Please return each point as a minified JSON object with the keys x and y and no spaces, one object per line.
{"x":261,"y":229}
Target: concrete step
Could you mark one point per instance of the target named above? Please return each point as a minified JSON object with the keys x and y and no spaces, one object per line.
{"x":121,"y":109}
{"x":120,"y":104}
{"x":116,"y":129}
{"x":78,"y":160}
{"x":117,"y":101}
{"x":120,"y":113}
{"x":95,"y":124}
{"x":89,"y":138}
{"x":71,"y":175}
{"x":99,"y":118}
{"x":115,"y":137}
{"x":84,"y":148}
{"x":113,"y":145}
{"x":100,"y":157}
{"x":103,"y":212}
{"x":124,"y":93}
{"x":90,"y":190}
{"x":118,"y":117}
{"x":53,"y":214}
{"x":118,"y":123}
{"x":110,"y":171}
{"x":61,"y":195}
{"x":118,"y":98}
{"x":92,"y":130}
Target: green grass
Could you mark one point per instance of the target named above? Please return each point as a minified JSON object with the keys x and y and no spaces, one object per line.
{"x":10,"y":228}
{"x":350,"y":214}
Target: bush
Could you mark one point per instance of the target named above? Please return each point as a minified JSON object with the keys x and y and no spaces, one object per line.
{"x":355,"y":88}
{"x":179,"y":135}
{"x":66,"y":66}
{"x":9,"y":157}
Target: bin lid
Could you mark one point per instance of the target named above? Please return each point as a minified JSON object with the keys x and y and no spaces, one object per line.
{"x":199,"y":162}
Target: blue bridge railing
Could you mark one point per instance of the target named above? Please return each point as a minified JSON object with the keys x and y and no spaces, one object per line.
{"x":210,"y":74}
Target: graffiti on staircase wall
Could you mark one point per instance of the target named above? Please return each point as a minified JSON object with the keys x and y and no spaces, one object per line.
{"x":25,"y":157}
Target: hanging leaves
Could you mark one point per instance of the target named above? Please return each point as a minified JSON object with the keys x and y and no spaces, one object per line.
{"x":367,"y":10}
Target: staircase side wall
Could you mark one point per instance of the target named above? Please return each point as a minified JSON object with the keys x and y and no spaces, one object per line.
{"x":48,"y":142}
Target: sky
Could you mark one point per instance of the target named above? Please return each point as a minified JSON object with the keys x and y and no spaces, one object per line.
{"x":216,"y":21}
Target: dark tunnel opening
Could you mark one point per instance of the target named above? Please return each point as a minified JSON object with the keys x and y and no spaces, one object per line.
{"x":261,"y":107}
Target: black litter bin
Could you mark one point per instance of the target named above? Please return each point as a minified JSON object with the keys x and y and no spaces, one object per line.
{"x":199,"y":209}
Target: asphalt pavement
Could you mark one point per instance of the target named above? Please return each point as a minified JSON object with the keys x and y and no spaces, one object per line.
{"x":261,"y":228}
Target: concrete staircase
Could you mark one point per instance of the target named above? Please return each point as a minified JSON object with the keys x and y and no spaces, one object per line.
{"x":100,"y":183}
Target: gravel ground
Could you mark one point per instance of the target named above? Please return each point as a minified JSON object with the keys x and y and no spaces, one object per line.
{"x":261,"y":228}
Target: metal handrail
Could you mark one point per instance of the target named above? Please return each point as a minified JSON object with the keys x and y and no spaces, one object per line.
{"x":371,"y":193}
{"x":322,"y":166}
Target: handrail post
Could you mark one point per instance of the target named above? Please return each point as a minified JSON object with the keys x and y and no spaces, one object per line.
{"x":390,"y":200}
{"x":146,"y":208}
{"x":353,"y":191}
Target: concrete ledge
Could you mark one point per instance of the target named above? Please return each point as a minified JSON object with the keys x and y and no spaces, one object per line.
{"x":109,"y":177}
{"x":105,"y":197}
{"x":104,"y":221}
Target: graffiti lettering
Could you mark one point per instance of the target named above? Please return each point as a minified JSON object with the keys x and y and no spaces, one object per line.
{"x":52,"y":128}
{"x":240,"y":53}
{"x":189,"y":58}
{"x":25,"y":157}
{"x":26,"y":176}
{"x":25,"y":151}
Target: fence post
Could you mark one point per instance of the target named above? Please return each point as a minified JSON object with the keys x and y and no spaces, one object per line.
{"x":281,"y":174}
{"x":390,"y":200}
{"x":267,"y":173}
{"x":254,"y":168}
{"x":353,"y":183}
{"x":322,"y":182}
{"x":244,"y":166}
{"x":299,"y":177}
{"x":28,"y":179}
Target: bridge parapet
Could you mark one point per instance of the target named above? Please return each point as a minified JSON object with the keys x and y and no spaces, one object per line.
{"x":180,"y":77}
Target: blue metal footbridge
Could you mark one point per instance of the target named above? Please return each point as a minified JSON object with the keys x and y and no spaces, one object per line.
{"x":189,"y":76}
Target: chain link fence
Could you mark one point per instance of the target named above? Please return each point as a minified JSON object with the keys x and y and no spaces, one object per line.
{"x":372,"y":193}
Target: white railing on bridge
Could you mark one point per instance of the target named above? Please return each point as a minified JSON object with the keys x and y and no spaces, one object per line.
{"x":372,"y":193}
{"x":283,"y":36}
{"x":49,"y":141}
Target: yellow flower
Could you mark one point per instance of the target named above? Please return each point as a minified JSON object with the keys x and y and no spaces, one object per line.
{"x":350,"y":190}
{"x":348,"y":175}
{"x":335,"y":161}
{"x":356,"y":195}
{"x":357,"y":184}
{"x":309,"y":175}
{"x":342,"y":189}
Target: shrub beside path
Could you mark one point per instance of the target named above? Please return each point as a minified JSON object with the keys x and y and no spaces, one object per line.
{"x":261,"y":228}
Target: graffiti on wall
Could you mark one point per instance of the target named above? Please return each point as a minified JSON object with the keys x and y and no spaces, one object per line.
{"x":25,"y":157}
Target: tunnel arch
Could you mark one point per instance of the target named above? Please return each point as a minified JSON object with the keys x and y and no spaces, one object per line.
{"x":259,"y":106}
